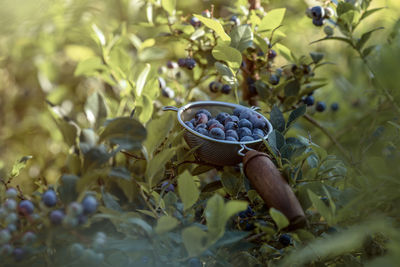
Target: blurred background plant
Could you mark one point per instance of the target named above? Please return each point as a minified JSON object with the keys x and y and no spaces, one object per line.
{"x":68,"y":67}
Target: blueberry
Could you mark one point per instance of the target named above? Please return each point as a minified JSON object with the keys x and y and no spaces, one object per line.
{"x":320,"y":107}
{"x":168,"y":186}
{"x":271,"y":54}
{"x":76,"y":250}
{"x":182,"y":62}
{"x":232,"y":133}
{"x":26,"y":207}
{"x":226,"y":89}
{"x":231,"y":125}
{"x":202,"y":125}
{"x":250,"y":80}
{"x":211,"y":122}
{"x":243,"y":214}
{"x":194,"y":262}
{"x":216,"y":125}
{"x":285,"y":240}
{"x":317,"y":12}
{"x":10,"y":204}
{"x":201,"y":118}
{"x":171,"y":64}
{"x":335,"y":106}
{"x":237,"y":111}
{"x":249,"y":212}
{"x":11,"y":218}
{"x":318,"y":22}
{"x":230,"y":138}
{"x":233,"y":118}
{"x":12,"y":227}
{"x":56,"y":217}
{"x":246,"y":139}
{"x":189,"y":124}
{"x":213,"y":87}
{"x":3,"y":213}
{"x":11,"y":193}
{"x":74,"y":209}
{"x":167,"y":92}
{"x":249,"y":226}
{"x":204,"y":111}
{"x":260,"y":54}
{"x":235,"y":20}
{"x":258,"y":133}
{"x":195,"y":22}
{"x":217,"y":133}
{"x":202,"y":131}
{"x":82,"y":219}
{"x":145,"y":259}
{"x":328,"y":30}
{"x":331,"y":230}
{"x":190,"y":63}
{"x":257,"y":121}
{"x":274,"y":79}
{"x":89,"y":204}
{"x":245,"y":114}
{"x":245,"y":123}
{"x":49,"y":198}
{"x":18,"y":254}
{"x":29,"y":237}
{"x":5,"y":236}
{"x":309,"y":100}
{"x":221,"y":117}
{"x":6,"y":249}
{"x":244,"y":132}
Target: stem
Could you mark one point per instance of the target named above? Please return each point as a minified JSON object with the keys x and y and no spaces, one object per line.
{"x":331,"y":137}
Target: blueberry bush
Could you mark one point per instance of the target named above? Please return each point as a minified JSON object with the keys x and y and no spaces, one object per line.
{"x":94,"y":172}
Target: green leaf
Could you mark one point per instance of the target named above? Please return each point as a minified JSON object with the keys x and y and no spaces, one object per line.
{"x":368,"y":50}
{"x":99,"y":35}
{"x":295,"y":114}
{"x":224,"y":70}
{"x":229,"y":238}
{"x":365,"y":37}
{"x":141,"y":224}
{"x":169,"y":6}
{"x":156,"y":166}
{"x":342,"y":39}
{"x":320,"y":206}
{"x":145,"y":108}
{"x":272,"y":20}
{"x":89,"y":66}
{"x":241,"y":37}
{"x":67,"y":190}
{"x":69,"y":131}
{"x":216,"y":26}
{"x":351,"y":17}
{"x":124,"y":131}
{"x":159,"y":129}
{"x":284,"y":51}
{"x":109,"y":201}
{"x":19,"y":165}
{"x":276,"y":140}
{"x":277,"y":120}
{"x":214,"y":214}
{"x":166,"y":224}
{"x":292,"y":88}
{"x":96,"y":109}
{"x":141,"y":81}
{"x":316,"y":57}
{"x":233,"y":207}
{"x":278,"y":217}
{"x":232,"y":184}
{"x":188,"y":191}
{"x":370,"y":12}
{"x":344,"y":7}
{"x":195,"y":240}
{"x":228,"y":54}
{"x":120,"y":172}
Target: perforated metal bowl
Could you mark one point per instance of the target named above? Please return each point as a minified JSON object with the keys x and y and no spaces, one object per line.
{"x":216,"y":152}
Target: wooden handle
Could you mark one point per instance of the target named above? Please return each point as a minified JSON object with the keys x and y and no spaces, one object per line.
{"x":272,"y":187}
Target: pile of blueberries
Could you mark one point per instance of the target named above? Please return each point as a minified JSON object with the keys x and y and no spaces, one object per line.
{"x":318,"y":14}
{"x":15,"y":215}
{"x":244,"y":125}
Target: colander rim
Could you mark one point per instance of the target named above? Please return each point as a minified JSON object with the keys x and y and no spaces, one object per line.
{"x":226,"y":104}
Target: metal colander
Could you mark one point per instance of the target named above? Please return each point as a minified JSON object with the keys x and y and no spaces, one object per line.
{"x":216,"y":152}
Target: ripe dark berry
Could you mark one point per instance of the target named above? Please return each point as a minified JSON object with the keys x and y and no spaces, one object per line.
{"x":309,"y":100}
{"x":243,"y":214}
{"x":26,"y":207}
{"x":190,"y":63}
{"x":211,"y":122}
{"x":194,"y":262}
{"x":195,"y":22}
{"x":49,"y":198}
{"x":257,"y":121}
{"x":235,"y":20}
{"x":232,"y":133}
{"x":245,"y":114}
{"x":171,"y":64}
{"x":318,"y":22}
{"x":213,"y":87}
{"x":10,"y":204}
{"x":56,"y":217}
{"x":245,"y":123}
{"x":317,"y":12}
{"x":182,"y":62}
{"x":271,"y":54}
{"x":205,"y":111}
{"x":167,"y":186}
{"x":249,"y":226}
{"x":274,"y":79}
{"x":244,"y":132}
{"x":18,"y":254}
{"x":246,"y":139}
{"x":216,"y":125}
{"x":335,"y":106}
{"x":11,"y":193}
{"x":189,"y":124}
{"x":285,"y":240}
{"x":89,"y":204}
{"x":202,"y":131}
{"x":231,"y":125}
{"x":230,"y":138}
{"x":5,"y":236}
{"x":201,"y":118}
{"x":260,"y":54}
{"x":237,"y":111}
{"x":258,"y":133}
{"x":221,"y":117}
{"x":226,"y":89}
{"x":29,"y":237}
{"x":217,"y":133}
{"x":320,"y":107}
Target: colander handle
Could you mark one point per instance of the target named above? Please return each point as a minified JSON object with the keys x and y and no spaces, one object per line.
{"x":242,"y":148}
{"x":272,"y":187}
{"x":170,"y":108}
